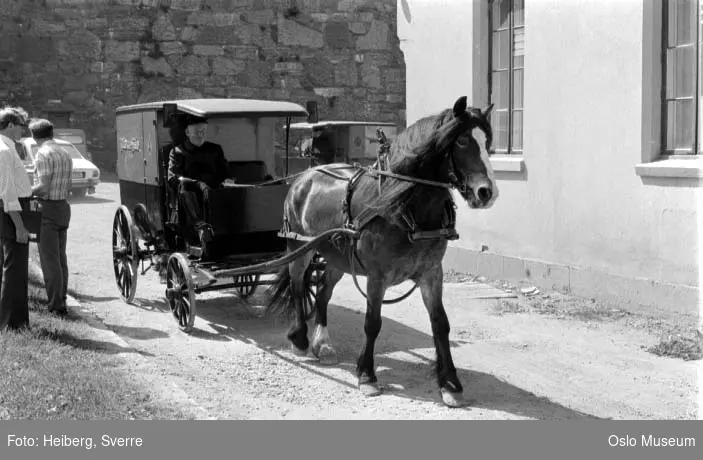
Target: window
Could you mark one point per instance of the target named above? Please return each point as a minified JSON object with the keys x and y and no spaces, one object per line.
{"x":507,"y":52}
{"x":682,"y":109}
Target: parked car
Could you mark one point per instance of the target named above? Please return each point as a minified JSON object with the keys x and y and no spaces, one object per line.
{"x":86,"y":176}
{"x":75,"y":137}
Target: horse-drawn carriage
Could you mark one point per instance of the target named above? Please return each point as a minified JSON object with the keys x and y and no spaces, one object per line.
{"x":388,"y":222}
{"x":245,"y":216}
{"x":337,"y":141}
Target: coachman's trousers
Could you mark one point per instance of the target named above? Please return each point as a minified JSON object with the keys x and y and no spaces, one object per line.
{"x":56,"y":216}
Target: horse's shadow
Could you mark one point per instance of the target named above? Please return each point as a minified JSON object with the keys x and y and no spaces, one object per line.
{"x":412,"y":378}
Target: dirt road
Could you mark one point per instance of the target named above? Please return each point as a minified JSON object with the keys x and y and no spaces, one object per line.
{"x":517,"y":366}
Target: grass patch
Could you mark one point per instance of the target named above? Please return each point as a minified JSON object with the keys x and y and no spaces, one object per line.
{"x":688,"y":349}
{"x":57,"y":370}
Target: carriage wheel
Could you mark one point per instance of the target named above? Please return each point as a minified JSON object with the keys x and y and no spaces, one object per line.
{"x":125,"y":254}
{"x":252,"y":282}
{"x":314,"y":274}
{"x":180,"y":292}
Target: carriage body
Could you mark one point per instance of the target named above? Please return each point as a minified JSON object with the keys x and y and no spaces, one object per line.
{"x":342,"y":142}
{"x":246,"y":130}
{"x":245,"y":215}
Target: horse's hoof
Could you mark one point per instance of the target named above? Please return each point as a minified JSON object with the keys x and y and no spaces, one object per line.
{"x":452,"y":399}
{"x":370,"y":389}
{"x":297,"y":351}
{"x":326,"y":354}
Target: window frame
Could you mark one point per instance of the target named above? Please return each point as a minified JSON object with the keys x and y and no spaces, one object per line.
{"x":511,"y":149}
{"x":656,"y":166}
{"x":697,"y":145}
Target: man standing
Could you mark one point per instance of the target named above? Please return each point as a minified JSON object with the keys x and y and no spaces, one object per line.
{"x":15,"y":191}
{"x":54,"y":168}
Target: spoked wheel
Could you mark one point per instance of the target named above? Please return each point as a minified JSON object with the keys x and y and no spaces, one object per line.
{"x":179,"y":291}
{"x":125,"y":254}
{"x":314,"y":274}
{"x":252,"y":282}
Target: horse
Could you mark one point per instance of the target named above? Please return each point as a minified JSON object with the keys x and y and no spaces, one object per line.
{"x":404,"y":217}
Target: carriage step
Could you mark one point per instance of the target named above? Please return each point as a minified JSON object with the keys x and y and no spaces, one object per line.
{"x":194,"y":251}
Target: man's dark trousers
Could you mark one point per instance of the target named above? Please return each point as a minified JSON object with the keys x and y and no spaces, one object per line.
{"x":56,"y":216}
{"x":14,"y":307}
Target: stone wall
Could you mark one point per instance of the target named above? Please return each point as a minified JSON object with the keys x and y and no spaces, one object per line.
{"x":91,"y":56}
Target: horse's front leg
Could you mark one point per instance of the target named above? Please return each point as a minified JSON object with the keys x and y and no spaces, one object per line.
{"x":450,"y":387}
{"x":365,"y":369}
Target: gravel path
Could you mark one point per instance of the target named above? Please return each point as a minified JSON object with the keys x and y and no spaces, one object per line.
{"x":235,"y":366}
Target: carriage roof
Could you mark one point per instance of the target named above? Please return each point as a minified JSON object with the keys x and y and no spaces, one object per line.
{"x":215,"y":107}
{"x":331,"y":123}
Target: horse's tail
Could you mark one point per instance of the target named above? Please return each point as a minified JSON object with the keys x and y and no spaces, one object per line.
{"x":281,"y":300}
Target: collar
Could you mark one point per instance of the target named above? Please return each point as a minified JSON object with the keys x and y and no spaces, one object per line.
{"x":190,"y":148}
{"x":7,"y":140}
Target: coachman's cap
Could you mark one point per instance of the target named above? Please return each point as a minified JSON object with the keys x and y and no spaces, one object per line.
{"x":194,"y":120}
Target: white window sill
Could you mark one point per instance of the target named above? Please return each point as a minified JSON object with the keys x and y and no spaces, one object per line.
{"x":675,"y":168}
{"x":507,"y":163}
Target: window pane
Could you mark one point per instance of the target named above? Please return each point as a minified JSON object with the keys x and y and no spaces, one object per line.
{"x":681,"y":22}
{"x":501,"y":50}
{"x":681,"y":69}
{"x":685,"y":21}
{"x":517,"y":130}
{"x":518,"y":46}
{"x":499,"y":123}
{"x":500,"y":89}
{"x":517,"y":89}
{"x":680,"y":125}
{"x":518,"y":12}
{"x":501,"y":14}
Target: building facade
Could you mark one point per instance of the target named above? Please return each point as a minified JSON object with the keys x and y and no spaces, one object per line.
{"x":598,"y":133}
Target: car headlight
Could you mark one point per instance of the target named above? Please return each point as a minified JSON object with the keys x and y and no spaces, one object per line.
{"x":96,"y":173}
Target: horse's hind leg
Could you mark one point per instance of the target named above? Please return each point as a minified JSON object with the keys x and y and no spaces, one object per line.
{"x":431,"y":287}
{"x":321,"y":346}
{"x":298,"y":331}
{"x":365,"y":369}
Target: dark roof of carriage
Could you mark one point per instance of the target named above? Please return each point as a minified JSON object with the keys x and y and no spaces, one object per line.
{"x":324,"y":124}
{"x":211,"y":107}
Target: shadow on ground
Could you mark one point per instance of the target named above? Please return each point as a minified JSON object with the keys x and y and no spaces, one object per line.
{"x":412,"y":379}
{"x":87,"y":344}
{"x":137,"y":333}
{"x":88,"y":199}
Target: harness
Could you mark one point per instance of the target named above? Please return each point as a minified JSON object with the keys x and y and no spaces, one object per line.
{"x":378,"y":171}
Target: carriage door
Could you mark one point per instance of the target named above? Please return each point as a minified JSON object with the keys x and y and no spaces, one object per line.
{"x":151,"y":169}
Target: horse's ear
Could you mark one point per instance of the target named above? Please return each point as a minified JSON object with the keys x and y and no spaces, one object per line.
{"x":487,"y":111}
{"x":459,"y":106}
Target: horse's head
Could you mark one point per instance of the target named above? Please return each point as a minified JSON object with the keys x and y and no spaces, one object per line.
{"x":466,"y":140}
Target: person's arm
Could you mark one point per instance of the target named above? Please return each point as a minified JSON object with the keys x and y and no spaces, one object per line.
{"x":176,"y":168}
{"x":8,"y":195}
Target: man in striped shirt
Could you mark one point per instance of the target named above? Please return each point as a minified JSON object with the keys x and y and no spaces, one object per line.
{"x":54,"y":168}
{"x":15,"y":191}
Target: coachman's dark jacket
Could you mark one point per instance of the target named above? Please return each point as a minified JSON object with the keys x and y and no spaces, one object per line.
{"x":206,"y":163}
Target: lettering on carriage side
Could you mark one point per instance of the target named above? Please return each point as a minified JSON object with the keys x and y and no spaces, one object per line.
{"x":128,"y":150}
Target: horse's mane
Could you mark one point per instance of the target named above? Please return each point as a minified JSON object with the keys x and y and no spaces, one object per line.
{"x":418,"y":152}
